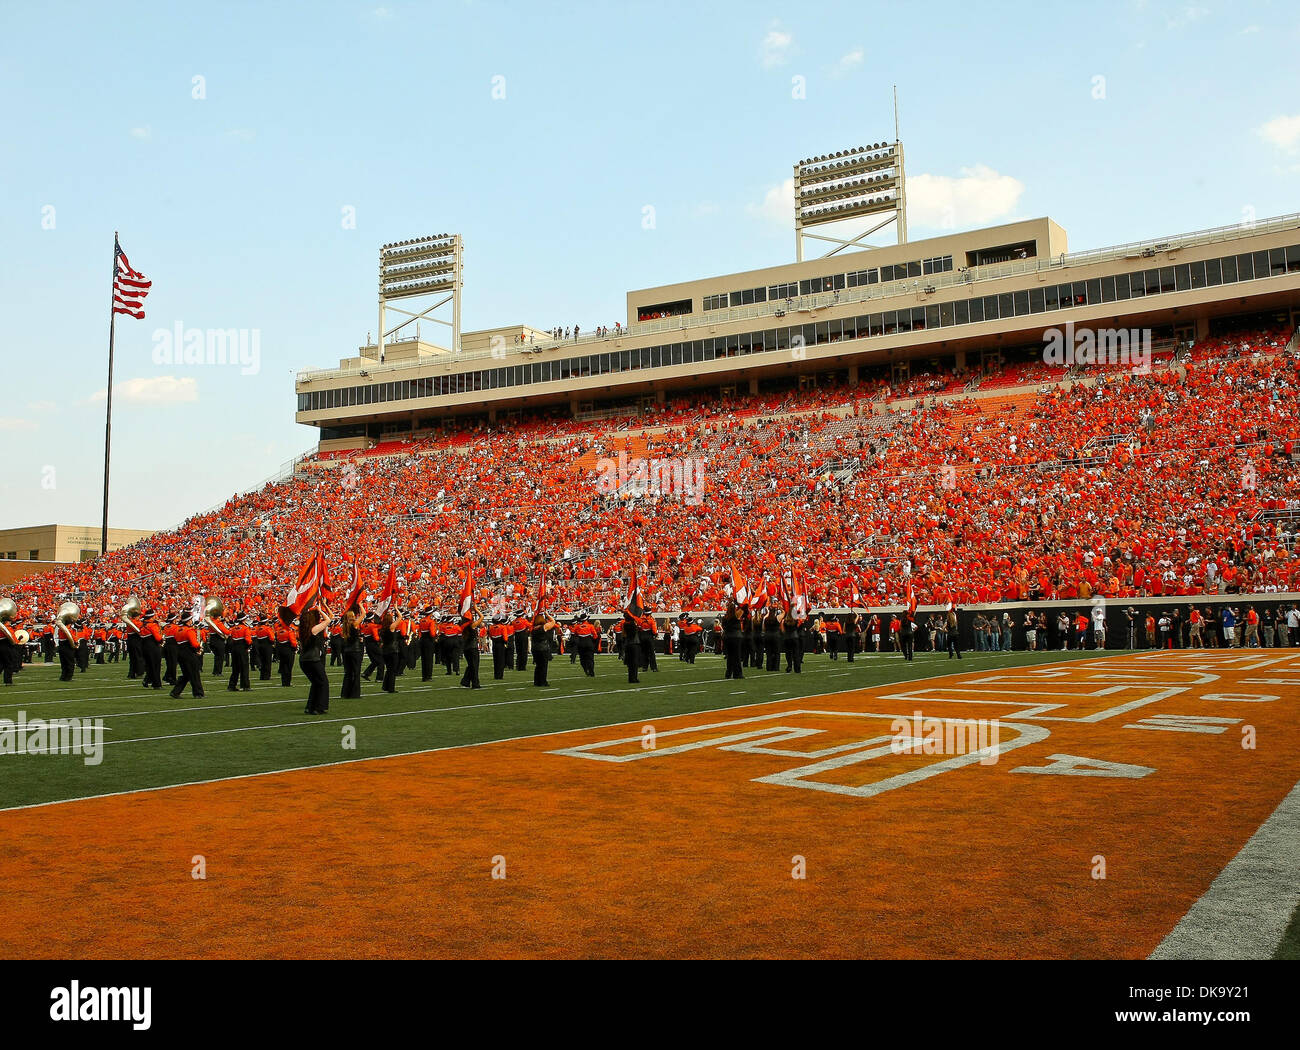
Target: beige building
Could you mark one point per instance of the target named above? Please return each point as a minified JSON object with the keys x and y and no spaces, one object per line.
{"x":957,"y":301}
{"x":62,"y":543}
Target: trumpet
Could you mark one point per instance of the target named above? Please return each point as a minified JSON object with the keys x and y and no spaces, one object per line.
{"x":8,"y":609}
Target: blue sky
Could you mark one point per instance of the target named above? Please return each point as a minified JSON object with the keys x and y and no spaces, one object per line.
{"x":232,"y":203}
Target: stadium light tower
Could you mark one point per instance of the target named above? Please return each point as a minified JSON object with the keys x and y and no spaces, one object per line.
{"x":861,"y":183}
{"x":424,"y":268}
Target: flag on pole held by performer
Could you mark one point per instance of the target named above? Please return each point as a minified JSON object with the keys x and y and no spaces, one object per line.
{"x":632,"y":602}
{"x":739,"y":587}
{"x":390,"y":592}
{"x":353,"y":589}
{"x":540,"y":605}
{"x":467,"y":590}
{"x":304,"y":591}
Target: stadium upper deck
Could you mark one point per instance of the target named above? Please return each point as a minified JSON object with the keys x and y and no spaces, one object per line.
{"x":961,"y":299}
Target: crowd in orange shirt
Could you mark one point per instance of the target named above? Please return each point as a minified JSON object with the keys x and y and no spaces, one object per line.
{"x":1141,"y":484}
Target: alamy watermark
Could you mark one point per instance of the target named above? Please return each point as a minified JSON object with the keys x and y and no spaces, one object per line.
{"x":56,"y":736}
{"x":1129,"y":347}
{"x":919,"y":735}
{"x":638,"y":476}
{"x":179,"y":345}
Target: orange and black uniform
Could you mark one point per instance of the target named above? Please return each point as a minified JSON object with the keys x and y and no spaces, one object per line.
{"x":217,"y":643}
{"x":374,"y":651}
{"x":151,"y":647}
{"x":469,"y":641}
{"x":428,"y":647}
{"x":134,"y":657}
{"x":584,"y":636}
{"x":522,"y":631}
{"x":188,"y":647}
{"x":450,"y":645}
{"x":286,"y":648}
{"x":388,"y":643}
{"x":169,"y":653}
{"x":351,"y":647}
{"x":238,"y":643}
{"x":541,"y":645}
{"x":67,"y":639}
{"x":264,"y":644}
{"x":631,"y":647}
{"x":499,"y":633}
{"x":833,"y":630}
{"x":692,"y":639}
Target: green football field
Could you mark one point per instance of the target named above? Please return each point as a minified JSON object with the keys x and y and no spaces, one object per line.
{"x":151,"y":740}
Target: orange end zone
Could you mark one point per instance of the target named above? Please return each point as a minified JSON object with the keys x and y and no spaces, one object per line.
{"x":683,"y":841}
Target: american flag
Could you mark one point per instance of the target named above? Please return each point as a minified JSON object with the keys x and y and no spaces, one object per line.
{"x":129,"y":286}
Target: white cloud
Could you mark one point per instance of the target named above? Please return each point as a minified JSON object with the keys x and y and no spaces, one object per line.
{"x":777,"y":205}
{"x":851,"y":61}
{"x":775,"y":48}
{"x":10,"y":424}
{"x":142,"y":132}
{"x":978,"y":196}
{"x":155,"y":390}
{"x":1282,"y":132}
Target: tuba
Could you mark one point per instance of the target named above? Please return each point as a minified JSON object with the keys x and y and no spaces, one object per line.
{"x":68,"y":612}
{"x":213,"y":607}
{"x":132,"y":606}
{"x":8,"y":609}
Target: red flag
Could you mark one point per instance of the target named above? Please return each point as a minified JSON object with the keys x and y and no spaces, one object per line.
{"x":327,"y":591}
{"x":632,"y":602}
{"x":389,"y":593}
{"x":760,"y":598}
{"x":739,"y":588}
{"x":800,"y":596}
{"x":304,"y":591}
{"x":467,"y":591}
{"x":783,"y":593}
{"x":911,"y":602}
{"x":541,"y":597}
{"x":353,"y":590}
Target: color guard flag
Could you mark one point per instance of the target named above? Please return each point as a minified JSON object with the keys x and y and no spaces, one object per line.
{"x":354,"y":586}
{"x":760,"y":597}
{"x":632,"y":602}
{"x":390,"y":592}
{"x":467,"y":590}
{"x":739,"y":588}
{"x":540,"y":606}
{"x":800,"y":595}
{"x":783,"y":593}
{"x":302,"y":593}
{"x":911,"y":602}
{"x":327,"y":591}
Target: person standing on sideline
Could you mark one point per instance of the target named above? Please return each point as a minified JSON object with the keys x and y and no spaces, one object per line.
{"x":952,"y":625}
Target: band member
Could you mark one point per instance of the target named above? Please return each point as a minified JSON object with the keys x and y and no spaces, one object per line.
{"x":692,"y":638}
{"x":470,"y":628}
{"x":952,"y":623}
{"x":286,"y":648}
{"x":189,"y":646}
{"x":631,"y":648}
{"x":350,"y":644}
{"x":428,"y":646}
{"x":499,"y":633}
{"x":134,"y":661}
{"x":217,"y":631}
{"x":647,"y":635}
{"x":239,"y":644}
{"x":374,"y":651}
{"x":522,"y":632}
{"x":584,"y":638}
{"x":451,"y":644}
{"x":733,"y":630}
{"x":169,"y":647}
{"x":792,"y":643}
{"x":11,"y":659}
{"x":312,"y":628}
{"x":67,"y":642}
{"x":541,"y":645}
{"x":264,"y":647}
{"x":388,"y":643}
{"x":834,"y":630}
{"x":772,"y":640}
{"x":151,"y":651}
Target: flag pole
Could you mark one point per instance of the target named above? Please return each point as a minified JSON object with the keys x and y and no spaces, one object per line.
{"x":108,"y":410}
